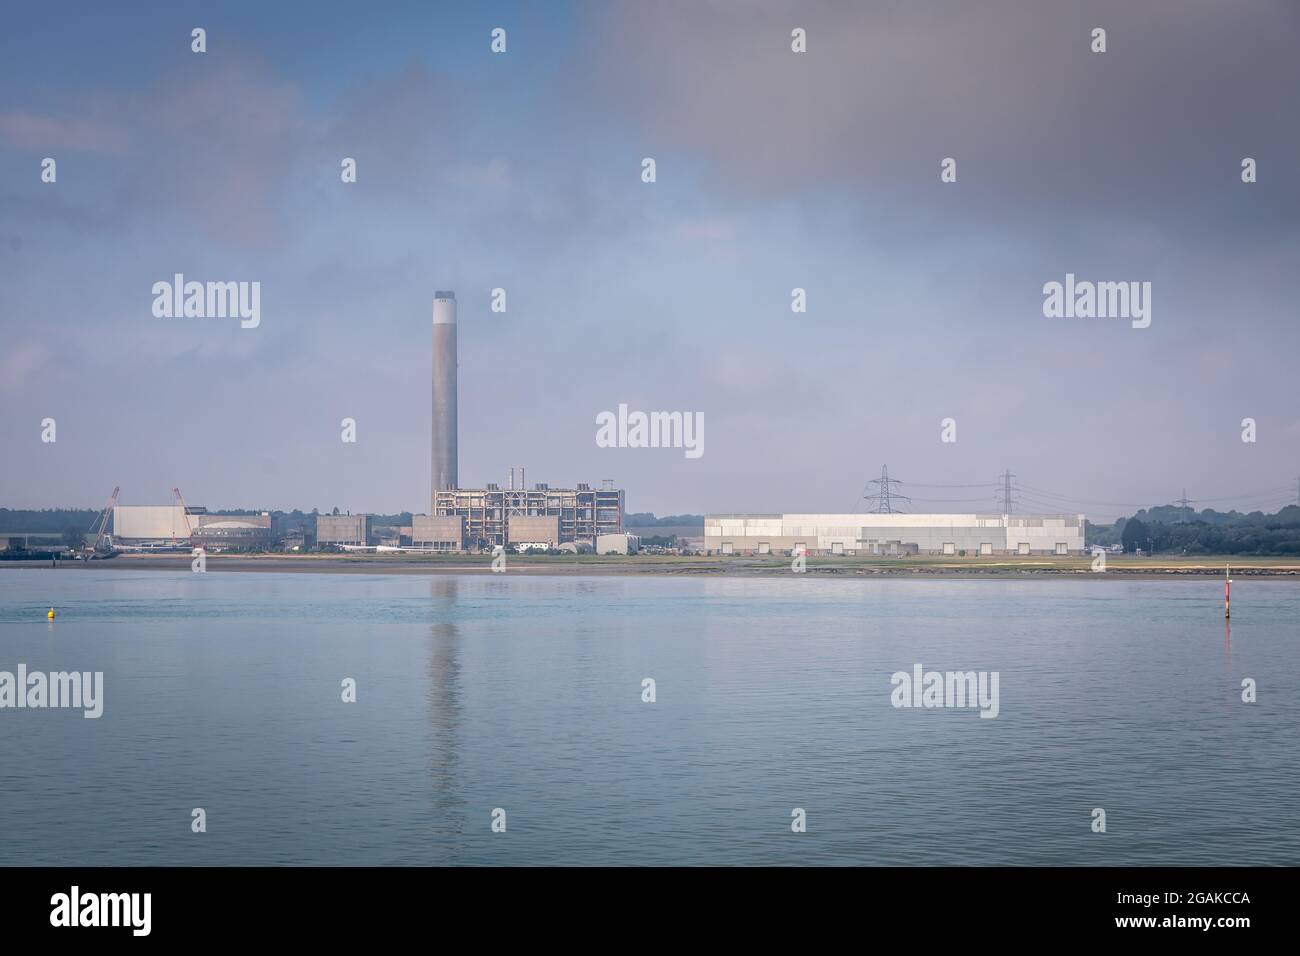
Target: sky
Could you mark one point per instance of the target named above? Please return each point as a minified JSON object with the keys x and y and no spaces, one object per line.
{"x":775,"y":170}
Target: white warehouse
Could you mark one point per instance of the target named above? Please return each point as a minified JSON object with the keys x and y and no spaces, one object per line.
{"x":886,"y":534}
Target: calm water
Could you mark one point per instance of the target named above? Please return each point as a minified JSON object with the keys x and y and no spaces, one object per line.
{"x":222,"y":691}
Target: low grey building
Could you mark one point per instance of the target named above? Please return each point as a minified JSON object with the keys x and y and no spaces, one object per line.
{"x":340,"y":530}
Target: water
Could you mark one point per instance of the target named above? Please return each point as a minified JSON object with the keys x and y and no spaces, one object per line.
{"x":223,"y":691}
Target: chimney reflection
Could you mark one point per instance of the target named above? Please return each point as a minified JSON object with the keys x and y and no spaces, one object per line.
{"x":445,"y":707}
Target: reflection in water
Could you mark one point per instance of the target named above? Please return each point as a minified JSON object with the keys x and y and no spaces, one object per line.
{"x":445,"y":713}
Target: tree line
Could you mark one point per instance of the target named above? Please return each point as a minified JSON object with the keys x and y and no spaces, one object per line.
{"x":1164,"y":530}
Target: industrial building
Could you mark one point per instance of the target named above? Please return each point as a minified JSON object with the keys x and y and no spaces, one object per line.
{"x":342,"y":531}
{"x":475,"y":519}
{"x":491,"y":516}
{"x":894,"y":534}
{"x":150,"y":527}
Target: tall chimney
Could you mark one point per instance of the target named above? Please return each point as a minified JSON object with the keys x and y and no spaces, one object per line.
{"x":512,"y":478}
{"x":444,"y":392}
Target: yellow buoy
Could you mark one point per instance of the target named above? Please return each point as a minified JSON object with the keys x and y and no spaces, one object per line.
{"x":51,"y":614}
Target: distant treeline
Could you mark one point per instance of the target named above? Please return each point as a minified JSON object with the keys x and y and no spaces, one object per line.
{"x":1163,"y":530}
{"x":646,"y":519}
{"x":47,"y":520}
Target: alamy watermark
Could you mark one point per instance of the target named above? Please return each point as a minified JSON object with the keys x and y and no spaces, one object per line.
{"x":37,"y":690}
{"x":75,"y":908}
{"x":1098,"y":300}
{"x":208,"y":300}
{"x":651,"y":430}
{"x":931,"y":689}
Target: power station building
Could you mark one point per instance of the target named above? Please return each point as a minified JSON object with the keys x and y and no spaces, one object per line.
{"x":894,"y":534}
{"x":474,"y":519}
{"x":491,"y":516}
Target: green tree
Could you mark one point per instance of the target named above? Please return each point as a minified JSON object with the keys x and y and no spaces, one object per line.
{"x":1136,"y":535}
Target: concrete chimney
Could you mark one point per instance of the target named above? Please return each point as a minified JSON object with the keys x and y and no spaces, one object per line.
{"x":444,"y":392}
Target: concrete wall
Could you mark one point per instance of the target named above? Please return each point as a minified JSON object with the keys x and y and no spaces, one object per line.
{"x":533,"y":528}
{"x":446,"y":532}
{"x":342,"y":529}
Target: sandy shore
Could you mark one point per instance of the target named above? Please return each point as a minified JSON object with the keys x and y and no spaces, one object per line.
{"x":1117,"y":568}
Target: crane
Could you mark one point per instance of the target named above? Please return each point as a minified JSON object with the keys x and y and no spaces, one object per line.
{"x":86,"y":554}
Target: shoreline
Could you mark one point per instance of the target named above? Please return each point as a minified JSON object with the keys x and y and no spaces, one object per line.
{"x":676,"y":566}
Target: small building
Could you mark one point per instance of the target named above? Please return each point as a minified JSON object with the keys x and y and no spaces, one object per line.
{"x":622,"y":543}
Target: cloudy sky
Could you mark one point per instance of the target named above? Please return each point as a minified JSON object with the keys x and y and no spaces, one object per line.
{"x":775,"y":170}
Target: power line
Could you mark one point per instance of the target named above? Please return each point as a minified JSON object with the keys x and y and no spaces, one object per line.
{"x":1008,"y":494}
{"x":949,"y":500}
{"x":1269,"y":493}
{"x":920,"y":484}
